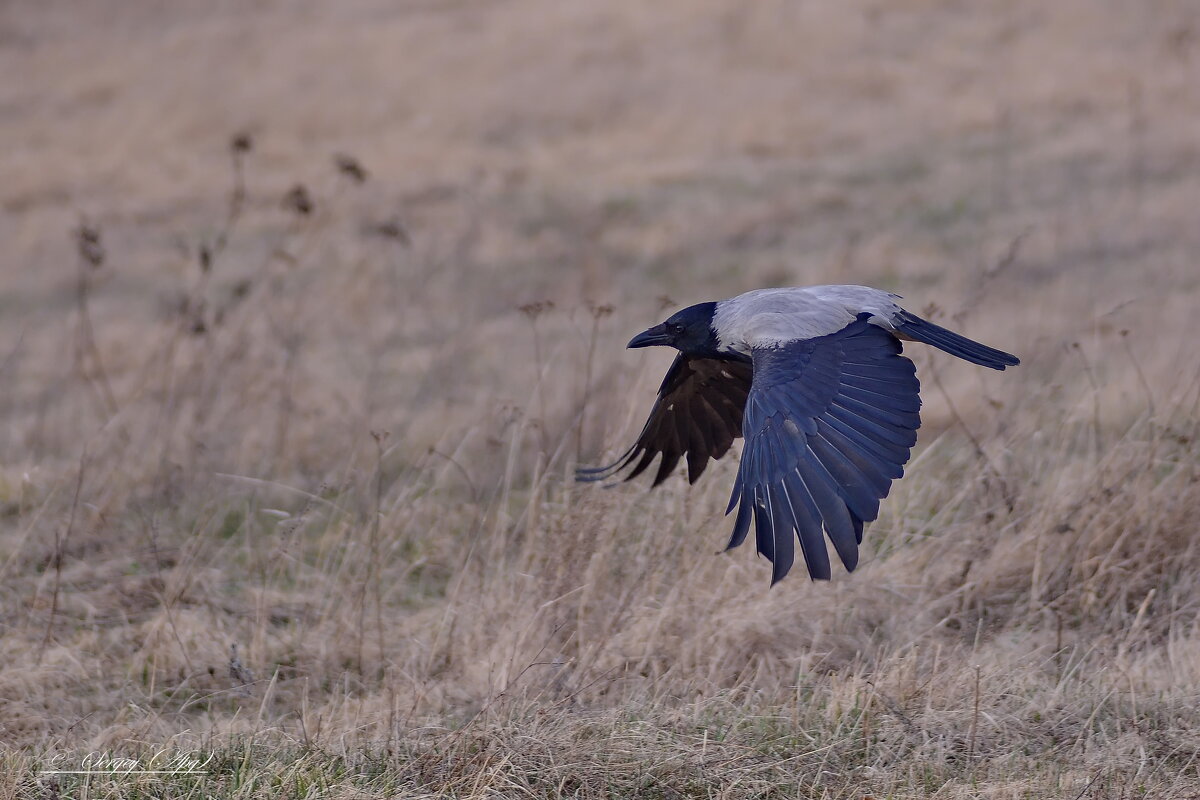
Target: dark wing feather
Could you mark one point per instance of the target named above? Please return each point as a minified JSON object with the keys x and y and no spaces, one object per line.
{"x":697,"y":416}
{"x":829,"y":424}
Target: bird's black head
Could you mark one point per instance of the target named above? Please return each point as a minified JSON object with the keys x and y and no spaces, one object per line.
{"x":688,"y":331}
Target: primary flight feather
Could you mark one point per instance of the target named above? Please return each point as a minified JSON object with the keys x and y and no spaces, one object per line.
{"x":814,"y":379}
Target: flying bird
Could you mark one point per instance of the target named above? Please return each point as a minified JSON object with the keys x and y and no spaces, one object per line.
{"x":814,"y":379}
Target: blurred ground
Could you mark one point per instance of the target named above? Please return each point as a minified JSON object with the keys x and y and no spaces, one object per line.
{"x":1027,"y":172}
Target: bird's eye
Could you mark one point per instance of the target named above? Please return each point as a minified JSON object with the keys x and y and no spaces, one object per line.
{"x":674,"y":327}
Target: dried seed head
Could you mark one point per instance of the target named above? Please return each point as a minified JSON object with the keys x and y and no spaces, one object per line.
{"x":87,"y":241}
{"x":287,"y":527}
{"x":241,"y":142}
{"x":298,"y":200}
{"x":536,"y":308}
{"x":350,"y":167}
{"x":392,"y":229}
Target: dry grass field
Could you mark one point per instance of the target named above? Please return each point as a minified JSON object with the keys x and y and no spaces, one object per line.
{"x":309,"y":309}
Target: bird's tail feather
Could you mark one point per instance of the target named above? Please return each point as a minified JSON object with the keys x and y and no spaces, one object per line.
{"x":922,"y":330}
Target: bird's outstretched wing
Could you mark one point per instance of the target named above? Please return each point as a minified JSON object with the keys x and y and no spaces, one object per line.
{"x":698,"y":414}
{"x":829,"y":424}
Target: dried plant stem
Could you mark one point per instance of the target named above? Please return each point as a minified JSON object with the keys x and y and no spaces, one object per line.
{"x":598,"y":313}
{"x":60,"y":546}
{"x":287,"y":402}
{"x":974,"y":716}
{"x":533,"y":311}
{"x":585,"y":393}
{"x":237,"y":199}
{"x":1005,"y":491}
{"x":375,"y":574}
{"x":86,"y":349}
{"x":1095,"y":395}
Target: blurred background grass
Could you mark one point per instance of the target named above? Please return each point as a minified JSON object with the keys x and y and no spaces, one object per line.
{"x":308,"y":309}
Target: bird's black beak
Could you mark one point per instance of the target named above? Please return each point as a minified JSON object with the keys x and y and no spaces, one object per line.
{"x":649,"y":338}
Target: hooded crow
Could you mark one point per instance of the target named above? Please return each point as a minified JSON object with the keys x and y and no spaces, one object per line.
{"x":814,"y":380}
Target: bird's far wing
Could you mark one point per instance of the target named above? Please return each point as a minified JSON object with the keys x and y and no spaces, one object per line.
{"x":698,"y":414}
{"x":829,"y":424}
